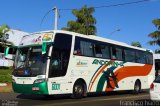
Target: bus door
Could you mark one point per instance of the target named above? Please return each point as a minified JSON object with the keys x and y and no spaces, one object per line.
{"x":57,"y":80}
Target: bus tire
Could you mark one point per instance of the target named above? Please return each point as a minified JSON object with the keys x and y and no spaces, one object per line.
{"x":137,"y":87}
{"x":78,"y":90}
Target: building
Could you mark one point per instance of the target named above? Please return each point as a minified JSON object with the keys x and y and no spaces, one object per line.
{"x":15,"y":37}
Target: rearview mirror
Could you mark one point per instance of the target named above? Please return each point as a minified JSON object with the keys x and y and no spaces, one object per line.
{"x":7,"y":56}
{"x":44,"y":47}
{"x":6,"y":51}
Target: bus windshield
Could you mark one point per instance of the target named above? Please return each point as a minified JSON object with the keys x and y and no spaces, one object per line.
{"x":29,"y":62}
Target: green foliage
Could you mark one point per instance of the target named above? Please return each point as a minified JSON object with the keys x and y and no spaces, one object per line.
{"x":5,"y":75}
{"x":85,"y":22}
{"x":3,"y":29}
{"x":156,"y":34}
{"x":136,"y":44}
{"x":156,"y":22}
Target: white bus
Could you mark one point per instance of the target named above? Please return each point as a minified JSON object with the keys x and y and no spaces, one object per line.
{"x":157,"y":64}
{"x":62,"y":62}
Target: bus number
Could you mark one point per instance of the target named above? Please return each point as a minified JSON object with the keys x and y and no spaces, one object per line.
{"x":55,"y":86}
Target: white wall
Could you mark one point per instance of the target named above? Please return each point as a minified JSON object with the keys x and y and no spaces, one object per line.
{"x":15,"y":37}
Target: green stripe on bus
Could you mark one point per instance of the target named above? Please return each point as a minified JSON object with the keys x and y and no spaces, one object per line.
{"x":102,"y":80}
{"x":101,"y":83}
{"x":94,"y":75}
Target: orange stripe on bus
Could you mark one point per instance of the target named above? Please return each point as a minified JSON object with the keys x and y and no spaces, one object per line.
{"x":130,"y":71}
{"x":99,"y":72}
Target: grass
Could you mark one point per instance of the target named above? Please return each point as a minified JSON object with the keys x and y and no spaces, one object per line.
{"x":5,"y":75}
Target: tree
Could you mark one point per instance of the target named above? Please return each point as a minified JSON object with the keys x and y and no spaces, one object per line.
{"x":156,"y":34}
{"x":136,"y":44}
{"x":3,"y":29}
{"x":85,"y":22}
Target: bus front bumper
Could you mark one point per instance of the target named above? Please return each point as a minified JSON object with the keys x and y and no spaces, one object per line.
{"x":38,"y":88}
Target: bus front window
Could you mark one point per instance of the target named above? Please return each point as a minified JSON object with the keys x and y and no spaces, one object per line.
{"x":29,"y":62}
{"x":21,"y":57}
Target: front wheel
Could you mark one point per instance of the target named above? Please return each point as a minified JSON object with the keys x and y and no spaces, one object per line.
{"x":78,"y":90}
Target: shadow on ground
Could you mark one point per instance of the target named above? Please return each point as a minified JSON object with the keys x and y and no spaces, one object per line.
{"x":59,"y":97}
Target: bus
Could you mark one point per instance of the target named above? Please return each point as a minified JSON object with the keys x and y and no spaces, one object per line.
{"x":62,"y":62}
{"x":157,"y":64}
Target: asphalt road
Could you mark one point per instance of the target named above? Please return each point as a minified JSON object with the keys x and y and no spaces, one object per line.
{"x":111,"y":99}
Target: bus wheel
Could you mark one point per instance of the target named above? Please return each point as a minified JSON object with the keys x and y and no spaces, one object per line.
{"x":78,"y":90}
{"x":137,"y":87}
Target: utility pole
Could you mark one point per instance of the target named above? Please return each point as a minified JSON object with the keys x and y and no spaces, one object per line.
{"x":55,"y":18}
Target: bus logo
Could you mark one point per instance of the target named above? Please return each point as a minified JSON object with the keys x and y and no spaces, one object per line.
{"x":55,"y":86}
{"x":47,"y":37}
{"x":82,"y":63}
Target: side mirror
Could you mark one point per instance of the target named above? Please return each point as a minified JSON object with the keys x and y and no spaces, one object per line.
{"x":7,"y":56}
{"x":44,"y":47}
{"x":6,"y":51}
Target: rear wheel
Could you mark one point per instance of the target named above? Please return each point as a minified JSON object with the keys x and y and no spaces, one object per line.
{"x":137,"y":87}
{"x":78,"y":90}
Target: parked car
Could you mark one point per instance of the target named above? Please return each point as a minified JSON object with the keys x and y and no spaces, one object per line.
{"x":155,"y":89}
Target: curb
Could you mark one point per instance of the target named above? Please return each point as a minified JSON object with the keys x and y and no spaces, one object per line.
{"x":3,"y":84}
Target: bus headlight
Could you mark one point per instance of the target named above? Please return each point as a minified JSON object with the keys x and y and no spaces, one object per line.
{"x":39,"y":81}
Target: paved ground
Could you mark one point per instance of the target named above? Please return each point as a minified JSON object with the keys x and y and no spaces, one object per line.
{"x":6,"y":88}
{"x":113,"y":99}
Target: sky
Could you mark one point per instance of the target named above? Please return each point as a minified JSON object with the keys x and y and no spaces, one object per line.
{"x":134,"y":21}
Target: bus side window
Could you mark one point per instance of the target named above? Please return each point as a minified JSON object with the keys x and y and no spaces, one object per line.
{"x":98,"y":52}
{"x":113,"y":53}
{"x":86,"y":48}
{"x":105,"y":51}
{"x":140,"y":57}
{"x":116,"y":53}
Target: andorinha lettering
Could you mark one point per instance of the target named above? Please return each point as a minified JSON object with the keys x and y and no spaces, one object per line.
{"x":103,"y":62}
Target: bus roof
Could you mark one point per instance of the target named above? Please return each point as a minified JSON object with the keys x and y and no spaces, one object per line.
{"x":93,"y":37}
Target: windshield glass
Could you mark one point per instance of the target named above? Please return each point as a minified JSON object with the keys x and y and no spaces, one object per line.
{"x":157,"y":80}
{"x":30,"y":62}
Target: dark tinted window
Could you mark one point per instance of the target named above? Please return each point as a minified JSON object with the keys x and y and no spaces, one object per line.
{"x":101,"y":50}
{"x":86,"y":48}
{"x":91,"y":48}
{"x":149,"y":58}
{"x":157,"y":79}
{"x":140,"y":57}
{"x":116,"y":53}
{"x":105,"y":51}
{"x":60,"y":55}
{"x":129,"y":55}
{"x":83,"y":47}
